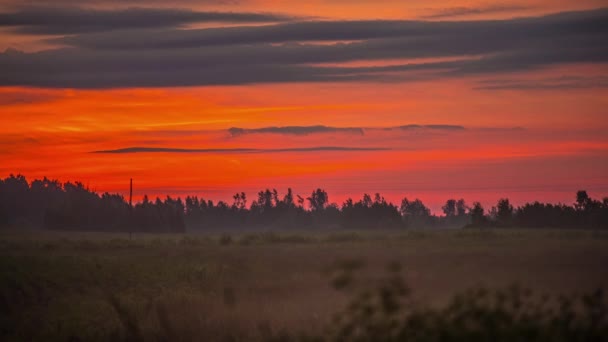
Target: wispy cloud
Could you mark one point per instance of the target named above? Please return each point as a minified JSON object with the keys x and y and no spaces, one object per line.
{"x":320,"y":129}
{"x":76,"y":20}
{"x":552,"y":83}
{"x":462,"y":11}
{"x":295,"y":130}
{"x":240,"y":150}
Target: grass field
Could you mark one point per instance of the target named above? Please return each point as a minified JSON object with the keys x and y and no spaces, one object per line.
{"x":88,"y":286}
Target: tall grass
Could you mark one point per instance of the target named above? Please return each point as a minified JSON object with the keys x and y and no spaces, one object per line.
{"x":282,"y":287}
{"x":387,"y":313}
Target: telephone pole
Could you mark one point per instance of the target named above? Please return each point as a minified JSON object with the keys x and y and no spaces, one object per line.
{"x":130,"y":208}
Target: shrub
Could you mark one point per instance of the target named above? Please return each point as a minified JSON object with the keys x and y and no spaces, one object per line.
{"x":225,"y":239}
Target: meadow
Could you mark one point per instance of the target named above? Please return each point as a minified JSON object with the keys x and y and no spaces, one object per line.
{"x":264,"y":285}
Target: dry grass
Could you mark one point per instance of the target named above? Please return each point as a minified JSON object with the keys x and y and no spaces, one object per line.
{"x":211,"y":286}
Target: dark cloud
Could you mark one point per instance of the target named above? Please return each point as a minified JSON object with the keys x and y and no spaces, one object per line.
{"x":303,"y":131}
{"x":417,"y":34}
{"x":240,"y":150}
{"x":564,"y":82}
{"x":74,"y":20}
{"x":295,"y":130}
{"x":287,"y":32}
{"x":307,"y":130}
{"x":462,"y":11}
{"x":118,"y":3}
{"x":274,"y":53}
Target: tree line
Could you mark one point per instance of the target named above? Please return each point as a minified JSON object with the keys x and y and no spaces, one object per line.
{"x":73,"y":206}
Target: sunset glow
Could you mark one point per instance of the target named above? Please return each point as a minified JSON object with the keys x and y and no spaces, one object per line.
{"x":349,"y":114}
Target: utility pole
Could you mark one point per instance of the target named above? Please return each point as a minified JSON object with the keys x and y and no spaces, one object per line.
{"x":130,"y":208}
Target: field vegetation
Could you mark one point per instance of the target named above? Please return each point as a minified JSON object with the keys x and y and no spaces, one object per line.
{"x":426,"y":285}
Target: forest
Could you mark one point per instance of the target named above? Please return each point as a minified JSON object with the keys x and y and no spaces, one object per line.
{"x":73,"y":206}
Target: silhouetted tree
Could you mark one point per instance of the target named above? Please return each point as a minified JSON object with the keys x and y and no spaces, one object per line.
{"x":366,"y":201}
{"x":240,"y":201}
{"x":449,"y":208}
{"x":541,"y":215}
{"x":461,"y":208}
{"x":300,"y":201}
{"x":582,"y":200}
{"x":288,"y":199}
{"x":368,"y":214}
{"x":478,"y":218}
{"x":73,"y":206}
{"x":455,"y":212}
{"x":318,"y":200}
{"x":265,"y":200}
{"x":504,"y":212}
{"x":415,"y":213}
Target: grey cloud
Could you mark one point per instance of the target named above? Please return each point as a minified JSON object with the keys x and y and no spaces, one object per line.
{"x":240,"y":150}
{"x":287,"y":32}
{"x":483,"y":47}
{"x":462,"y":11}
{"x":235,"y":132}
{"x":564,"y":82}
{"x":296,"y":130}
{"x":307,"y":130}
{"x":74,"y":20}
{"x":586,"y":49}
{"x":119,"y":3}
{"x":74,"y":69}
{"x":174,"y":75}
{"x":422,"y":33}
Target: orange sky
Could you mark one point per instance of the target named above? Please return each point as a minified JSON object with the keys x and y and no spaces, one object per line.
{"x":527,"y":143}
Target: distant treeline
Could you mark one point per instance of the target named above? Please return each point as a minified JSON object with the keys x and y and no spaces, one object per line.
{"x":72,"y":206}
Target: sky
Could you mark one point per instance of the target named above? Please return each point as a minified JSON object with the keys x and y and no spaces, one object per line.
{"x":420,"y":99}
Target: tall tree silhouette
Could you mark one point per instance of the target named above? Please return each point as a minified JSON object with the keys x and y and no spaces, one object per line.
{"x":415,"y":212}
{"x":318,"y":200}
{"x":73,"y":206}
{"x":504,"y":212}
{"x":449,"y":208}
{"x":478,"y":218}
